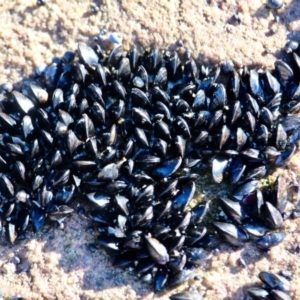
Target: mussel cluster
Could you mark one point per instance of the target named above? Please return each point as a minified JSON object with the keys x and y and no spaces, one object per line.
{"x":124,"y":131}
{"x":276,"y":287}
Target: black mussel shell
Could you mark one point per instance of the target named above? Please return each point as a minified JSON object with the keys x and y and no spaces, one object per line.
{"x":130,"y":134}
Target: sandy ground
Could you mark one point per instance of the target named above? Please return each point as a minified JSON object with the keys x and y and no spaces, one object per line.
{"x":58,"y":264}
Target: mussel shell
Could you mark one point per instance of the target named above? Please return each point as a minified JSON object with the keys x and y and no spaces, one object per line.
{"x":186,"y":296}
{"x":232,"y":234}
{"x":270,"y":240}
{"x":157,"y":250}
{"x":23,"y":102}
{"x":275,"y":281}
{"x":279,"y":295}
{"x":184,"y":196}
{"x":219,"y":166}
{"x":167,"y":167}
{"x":87,"y":55}
{"x":258,"y":293}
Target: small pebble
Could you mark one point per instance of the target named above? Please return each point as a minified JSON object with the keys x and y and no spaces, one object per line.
{"x":138,"y":82}
{"x":291,"y":46}
{"x":116,"y":38}
{"x":197,"y":278}
{"x":216,"y":251}
{"x":61,"y":226}
{"x":227,"y":66}
{"x":168,"y":54}
{"x":236,"y":18}
{"x":15,"y":260}
{"x":103,"y":31}
{"x":40,"y":69}
{"x":41,"y":2}
{"x":7,"y":87}
{"x":274,"y":4}
{"x":98,"y":38}
{"x":179,"y":43}
{"x":94,"y":8}
{"x":147,"y":278}
{"x":192,"y":288}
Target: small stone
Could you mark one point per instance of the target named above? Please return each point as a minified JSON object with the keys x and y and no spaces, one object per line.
{"x":236,"y":18}
{"x":227,"y":66}
{"x":138,"y":82}
{"x":40,"y":69}
{"x":94,"y":8}
{"x":147,"y":278}
{"x":291,"y":46}
{"x":98,"y":38}
{"x":267,"y":51}
{"x":15,"y":260}
{"x":192,"y":288}
{"x":41,"y":2}
{"x":274,"y":4}
{"x":7,"y":87}
{"x":216,"y":251}
{"x":180,"y":43}
{"x":168,"y":54}
{"x":103,"y":31}
{"x":61,"y":226}
{"x":116,"y":38}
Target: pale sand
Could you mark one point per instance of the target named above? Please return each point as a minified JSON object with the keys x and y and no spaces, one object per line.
{"x":58,"y":264}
